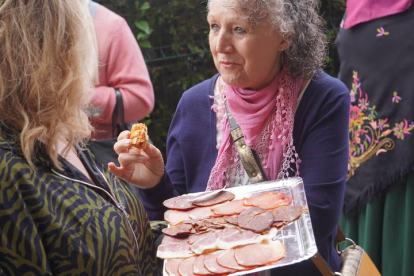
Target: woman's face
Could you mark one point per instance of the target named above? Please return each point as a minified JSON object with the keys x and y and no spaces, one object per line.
{"x":245,"y":56}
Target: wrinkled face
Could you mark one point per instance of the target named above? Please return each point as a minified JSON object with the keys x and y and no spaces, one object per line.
{"x":245,"y":56}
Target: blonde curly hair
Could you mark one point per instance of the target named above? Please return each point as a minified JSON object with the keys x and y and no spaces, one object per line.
{"x":48,"y":66}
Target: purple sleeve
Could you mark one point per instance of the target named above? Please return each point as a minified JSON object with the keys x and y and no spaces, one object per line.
{"x":321,"y":138}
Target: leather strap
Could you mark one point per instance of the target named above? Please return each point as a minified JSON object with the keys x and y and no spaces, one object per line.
{"x":322,"y":266}
{"x":340,"y":237}
{"x":247,"y":155}
{"x":118,"y":113}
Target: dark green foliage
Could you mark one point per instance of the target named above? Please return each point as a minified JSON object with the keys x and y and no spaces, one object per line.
{"x":173,"y":38}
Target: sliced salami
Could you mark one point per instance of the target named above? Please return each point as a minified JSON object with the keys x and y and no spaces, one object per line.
{"x":256,"y":219}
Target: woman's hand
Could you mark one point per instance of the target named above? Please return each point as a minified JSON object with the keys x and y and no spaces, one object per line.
{"x":142,"y":168}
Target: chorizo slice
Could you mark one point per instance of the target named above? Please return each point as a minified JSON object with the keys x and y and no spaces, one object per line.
{"x":217,"y":198}
{"x":179,"y":202}
{"x":287,"y":213}
{"x":255,"y":219}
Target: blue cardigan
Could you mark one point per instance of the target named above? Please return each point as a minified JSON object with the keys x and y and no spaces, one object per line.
{"x":320,"y":137}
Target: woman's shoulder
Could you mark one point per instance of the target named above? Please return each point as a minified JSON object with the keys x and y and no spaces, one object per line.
{"x":323,"y":83}
{"x":202,"y":89}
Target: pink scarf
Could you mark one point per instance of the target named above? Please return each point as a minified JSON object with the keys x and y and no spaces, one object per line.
{"x":266,"y":118}
{"x":359,"y":11}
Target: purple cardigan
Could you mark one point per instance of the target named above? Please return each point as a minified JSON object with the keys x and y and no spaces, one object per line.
{"x":320,"y":137}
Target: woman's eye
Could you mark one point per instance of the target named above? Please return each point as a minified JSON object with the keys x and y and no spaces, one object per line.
{"x":239,"y":31}
{"x":214,"y":27}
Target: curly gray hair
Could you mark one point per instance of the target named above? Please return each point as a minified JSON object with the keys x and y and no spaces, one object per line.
{"x":299,"y":23}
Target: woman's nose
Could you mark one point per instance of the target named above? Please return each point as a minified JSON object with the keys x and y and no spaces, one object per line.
{"x":223,"y":43}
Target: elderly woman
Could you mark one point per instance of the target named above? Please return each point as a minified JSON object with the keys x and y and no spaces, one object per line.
{"x":268,"y":54}
{"x":59,"y":214}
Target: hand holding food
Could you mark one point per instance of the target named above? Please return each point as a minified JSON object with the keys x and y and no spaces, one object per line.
{"x":141,"y":163}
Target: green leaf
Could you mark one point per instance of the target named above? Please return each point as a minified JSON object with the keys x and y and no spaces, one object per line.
{"x":145,"y":6}
{"x":142,"y":36}
{"x":145,"y":44}
{"x":143,"y":26}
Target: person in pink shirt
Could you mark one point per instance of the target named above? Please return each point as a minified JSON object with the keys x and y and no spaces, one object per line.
{"x":122,"y":66}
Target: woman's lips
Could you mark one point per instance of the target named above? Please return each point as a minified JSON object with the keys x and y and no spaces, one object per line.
{"x":226,"y":64}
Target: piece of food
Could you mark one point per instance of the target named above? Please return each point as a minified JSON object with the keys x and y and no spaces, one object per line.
{"x":253,"y":255}
{"x":139,"y":136}
{"x":287,"y":213}
{"x":239,"y":237}
{"x":228,"y":260}
{"x":229,"y":208}
{"x":174,"y":217}
{"x":199,"y":268}
{"x":178,"y":230}
{"x":208,"y":242}
{"x":219,"y":197}
{"x":171,"y":267}
{"x":200,"y":213}
{"x":179,"y":203}
{"x":175,"y":250}
{"x":185,"y":267}
{"x":256,"y":219}
{"x":210,"y":262}
{"x":268,"y":200}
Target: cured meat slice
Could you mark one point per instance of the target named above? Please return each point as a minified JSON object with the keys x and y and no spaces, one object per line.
{"x":219,"y":197}
{"x":253,"y":255}
{"x":268,"y":200}
{"x":174,"y":250}
{"x":200,"y":213}
{"x":196,"y":237}
{"x":208,"y":242}
{"x":171,"y":267}
{"x":229,"y":208}
{"x":227,"y":259}
{"x":185,"y":267}
{"x":238,"y":238}
{"x":169,"y":239}
{"x":287,"y":213}
{"x":256,"y":219}
{"x":234,"y":219}
{"x":210,"y":262}
{"x":179,"y":202}
{"x":182,"y":229}
{"x":199,"y":267}
{"x":174,"y":217}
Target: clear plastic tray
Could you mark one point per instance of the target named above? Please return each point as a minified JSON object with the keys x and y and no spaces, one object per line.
{"x":298,"y":236}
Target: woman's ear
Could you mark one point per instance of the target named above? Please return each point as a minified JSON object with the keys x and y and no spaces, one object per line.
{"x":284,"y":45}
